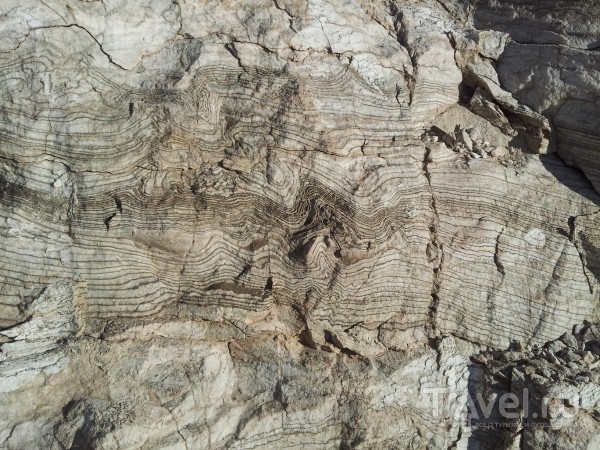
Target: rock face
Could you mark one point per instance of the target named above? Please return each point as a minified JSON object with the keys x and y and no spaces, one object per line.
{"x":298,"y":223}
{"x":561,"y":383}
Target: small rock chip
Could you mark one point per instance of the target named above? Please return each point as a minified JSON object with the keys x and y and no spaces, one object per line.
{"x":577,"y":329}
{"x":588,"y":357}
{"x":592,"y":333}
{"x":466,"y":139}
{"x":499,"y":152}
{"x":538,"y":379}
{"x":555,"y":346}
{"x":569,"y":340}
{"x":474,"y":133}
{"x":571,"y":356}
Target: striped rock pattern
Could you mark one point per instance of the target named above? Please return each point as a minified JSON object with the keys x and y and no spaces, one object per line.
{"x":275,"y":223}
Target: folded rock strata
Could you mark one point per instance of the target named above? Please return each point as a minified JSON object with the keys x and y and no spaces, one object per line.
{"x":286,"y":223}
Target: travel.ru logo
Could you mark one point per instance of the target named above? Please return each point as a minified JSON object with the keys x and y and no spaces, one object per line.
{"x":501,"y":410}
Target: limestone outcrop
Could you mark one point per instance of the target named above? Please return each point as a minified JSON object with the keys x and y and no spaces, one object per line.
{"x":286,"y":223}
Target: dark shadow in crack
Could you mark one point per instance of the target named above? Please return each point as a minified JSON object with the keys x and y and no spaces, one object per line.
{"x":571,"y":177}
{"x":485,"y":434}
{"x":576,"y":181}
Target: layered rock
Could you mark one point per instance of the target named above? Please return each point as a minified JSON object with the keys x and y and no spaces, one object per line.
{"x":551,"y":64}
{"x":281,"y":223}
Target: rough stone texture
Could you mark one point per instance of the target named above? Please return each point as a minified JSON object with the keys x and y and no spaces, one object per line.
{"x":283,"y":223}
{"x":552,"y":63}
{"x":565,"y":371}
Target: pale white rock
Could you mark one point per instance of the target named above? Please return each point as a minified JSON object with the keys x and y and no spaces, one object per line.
{"x":475,"y":134}
{"x":490,"y":44}
{"x":466,"y":140}
{"x":499,"y":152}
{"x":536,"y":237}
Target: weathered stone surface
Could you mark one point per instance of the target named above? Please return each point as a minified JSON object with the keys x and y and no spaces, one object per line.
{"x":291,"y":223}
{"x":561,"y":403}
{"x":552,"y":64}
